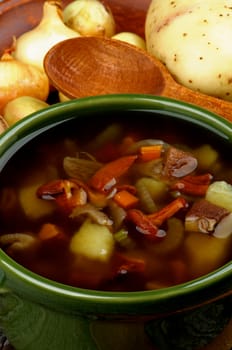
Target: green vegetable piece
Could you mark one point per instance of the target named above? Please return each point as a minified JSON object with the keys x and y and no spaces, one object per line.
{"x":220,"y":193}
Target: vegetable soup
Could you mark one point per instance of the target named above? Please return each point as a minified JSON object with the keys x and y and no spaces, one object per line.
{"x":119,"y":203}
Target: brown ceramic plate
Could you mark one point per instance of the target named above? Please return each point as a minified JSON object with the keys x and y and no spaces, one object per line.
{"x":19,"y":16}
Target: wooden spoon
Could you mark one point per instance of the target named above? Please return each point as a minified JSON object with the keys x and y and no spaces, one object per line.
{"x":88,"y":66}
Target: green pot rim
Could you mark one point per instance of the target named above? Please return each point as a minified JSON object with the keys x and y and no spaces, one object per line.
{"x":194,"y":292}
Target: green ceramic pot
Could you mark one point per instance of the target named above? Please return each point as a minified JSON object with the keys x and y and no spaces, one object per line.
{"x":39,"y":314}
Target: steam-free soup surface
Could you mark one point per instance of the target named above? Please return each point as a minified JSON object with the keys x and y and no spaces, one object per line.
{"x":121,"y":206}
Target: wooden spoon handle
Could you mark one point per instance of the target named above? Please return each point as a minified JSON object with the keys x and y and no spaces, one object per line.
{"x":221,"y":107}
{"x":170,"y":88}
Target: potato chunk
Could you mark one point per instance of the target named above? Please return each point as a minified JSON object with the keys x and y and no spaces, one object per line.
{"x":93,"y":241}
{"x":34,"y":207}
{"x":205,"y":253}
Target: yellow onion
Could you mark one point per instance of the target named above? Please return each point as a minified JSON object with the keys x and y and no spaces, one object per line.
{"x":32,"y":46}
{"x":19,"y":79}
{"x":89,"y":17}
{"x":131,"y":38}
{"x":62,"y":97}
{"x":3,"y":124}
{"x":21,"y":107}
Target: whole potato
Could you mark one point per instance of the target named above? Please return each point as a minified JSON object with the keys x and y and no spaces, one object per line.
{"x":193,"y":39}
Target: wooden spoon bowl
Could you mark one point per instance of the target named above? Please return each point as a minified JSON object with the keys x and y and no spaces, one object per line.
{"x":89,"y":66}
{"x":95,"y":66}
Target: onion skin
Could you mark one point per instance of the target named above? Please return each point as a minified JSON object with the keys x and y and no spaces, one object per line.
{"x":131,"y":38}
{"x":32,"y":46}
{"x":20,"y":79}
{"x":21,"y":107}
{"x":62,"y":97}
{"x":3,"y":124}
{"x":89,"y":17}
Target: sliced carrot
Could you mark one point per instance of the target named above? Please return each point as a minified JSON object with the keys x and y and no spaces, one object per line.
{"x":49,"y":231}
{"x":151,"y":152}
{"x":125,"y":199}
{"x":126,"y":187}
{"x":105,"y":178}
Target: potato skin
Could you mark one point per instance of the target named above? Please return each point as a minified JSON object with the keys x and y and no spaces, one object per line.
{"x":193,"y":39}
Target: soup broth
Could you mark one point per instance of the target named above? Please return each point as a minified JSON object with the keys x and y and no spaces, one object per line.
{"x":119,"y":204}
